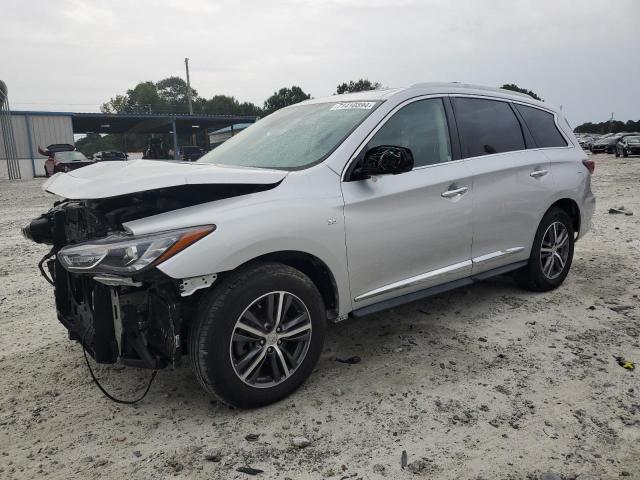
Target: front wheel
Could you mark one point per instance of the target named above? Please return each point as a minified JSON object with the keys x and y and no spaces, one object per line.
{"x":551,"y":253}
{"x":258,"y":335}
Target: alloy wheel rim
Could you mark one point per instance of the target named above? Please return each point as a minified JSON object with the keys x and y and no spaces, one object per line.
{"x":554,"y":251}
{"x":270,"y":339}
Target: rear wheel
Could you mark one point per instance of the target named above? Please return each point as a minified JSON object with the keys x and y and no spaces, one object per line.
{"x":551,"y":253}
{"x":258,"y":335}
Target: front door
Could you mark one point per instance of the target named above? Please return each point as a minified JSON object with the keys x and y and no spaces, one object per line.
{"x":410,"y":231}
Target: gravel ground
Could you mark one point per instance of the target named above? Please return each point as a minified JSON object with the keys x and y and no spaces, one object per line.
{"x":484,"y":382}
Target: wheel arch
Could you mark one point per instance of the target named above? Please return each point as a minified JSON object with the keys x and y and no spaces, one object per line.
{"x":314,"y":268}
{"x":572,"y":209}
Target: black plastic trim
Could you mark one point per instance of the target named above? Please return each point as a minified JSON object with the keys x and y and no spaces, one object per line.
{"x":529,"y":141}
{"x":454,"y":135}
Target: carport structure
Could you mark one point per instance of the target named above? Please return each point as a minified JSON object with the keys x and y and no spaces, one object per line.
{"x":147,"y":123}
{"x":33,"y":129}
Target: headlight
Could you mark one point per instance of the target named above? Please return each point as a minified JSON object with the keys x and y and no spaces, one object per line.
{"x":123,"y":254}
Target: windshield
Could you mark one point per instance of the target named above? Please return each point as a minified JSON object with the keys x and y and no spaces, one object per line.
{"x":292,"y":138}
{"x":65,"y":157}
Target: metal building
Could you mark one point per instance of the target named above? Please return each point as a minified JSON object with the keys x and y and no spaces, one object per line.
{"x":39,"y":129}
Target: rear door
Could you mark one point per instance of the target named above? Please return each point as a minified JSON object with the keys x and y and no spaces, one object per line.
{"x":410,"y":231}
{"x":512,"y":184}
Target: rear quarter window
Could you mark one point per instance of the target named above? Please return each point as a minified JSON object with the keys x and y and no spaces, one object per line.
{"x":542,"y":126}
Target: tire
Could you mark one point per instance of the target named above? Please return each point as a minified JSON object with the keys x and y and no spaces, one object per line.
{"x":537,"y":276}
{"x":219,"y":346}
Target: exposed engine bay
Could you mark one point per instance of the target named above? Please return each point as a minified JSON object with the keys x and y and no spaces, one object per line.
{"x":138,"y":318}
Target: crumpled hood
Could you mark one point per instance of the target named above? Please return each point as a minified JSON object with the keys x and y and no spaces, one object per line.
{"x":110,"y":179}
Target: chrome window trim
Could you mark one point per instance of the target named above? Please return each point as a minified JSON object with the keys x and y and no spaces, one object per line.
{"x":415,"y":280}
{"x":384,"y":120}
{"x":408,"y":101}
{"x":555,"y":121}
{"x":507,"y":100}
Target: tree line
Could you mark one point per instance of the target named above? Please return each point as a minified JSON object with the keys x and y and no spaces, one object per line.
{"x":609,"y":126}
{"x":170,"y":95}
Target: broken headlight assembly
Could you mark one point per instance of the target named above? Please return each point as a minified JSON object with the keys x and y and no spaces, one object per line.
{"x":128,"y":254}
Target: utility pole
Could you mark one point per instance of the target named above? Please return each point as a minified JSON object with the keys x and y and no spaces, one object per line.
{"x":611,"y":122}
{"x":186,"y":63}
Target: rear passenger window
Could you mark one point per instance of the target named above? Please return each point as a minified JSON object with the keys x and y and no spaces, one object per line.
{"x":422,"y":127}
{"x":487,"y":126}
{"x":542,"y":126}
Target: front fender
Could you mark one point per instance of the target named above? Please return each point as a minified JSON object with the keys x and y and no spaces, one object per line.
{"x":304,"y":213}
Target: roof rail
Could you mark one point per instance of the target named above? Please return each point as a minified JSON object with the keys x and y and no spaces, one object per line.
{"x":469,"y":85}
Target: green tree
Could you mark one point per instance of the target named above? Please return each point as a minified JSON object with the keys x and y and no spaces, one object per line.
{"x":144,"y":97}
{"x":283,"y":98}
{"x":225,"y":105}
{"x":117,"y":104}
{"x":609,"y":126}
{"x":173,"y":94}
{"x":514,"y":88}
{"x":94,"y":142}
{"x":358,"y":86}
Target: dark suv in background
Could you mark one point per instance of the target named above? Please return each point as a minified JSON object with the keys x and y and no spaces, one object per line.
{"x":191,"y":153}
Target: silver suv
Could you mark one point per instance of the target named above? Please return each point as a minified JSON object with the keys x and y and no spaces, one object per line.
{"x":331,"y":208}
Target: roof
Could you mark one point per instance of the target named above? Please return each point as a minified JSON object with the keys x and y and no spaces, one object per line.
{"x":429,"y":88}
{"x":237,"y":126}
{"x":143,"y":122}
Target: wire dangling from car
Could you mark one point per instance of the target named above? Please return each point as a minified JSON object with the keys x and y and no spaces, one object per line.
{"x":51,"y":253}
{"x":107,"y":394}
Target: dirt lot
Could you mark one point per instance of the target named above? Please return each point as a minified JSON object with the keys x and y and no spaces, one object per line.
{"x":485,"y":382}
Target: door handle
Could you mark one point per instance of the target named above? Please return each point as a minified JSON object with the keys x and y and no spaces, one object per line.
{"x":455,"y":192}
{"x":538,"y":173}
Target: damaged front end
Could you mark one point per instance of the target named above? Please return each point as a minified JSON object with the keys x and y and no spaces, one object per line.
{"x":108,"y":293}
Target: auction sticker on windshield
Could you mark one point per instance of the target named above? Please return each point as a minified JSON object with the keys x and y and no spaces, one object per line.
{"x":354,"y":106}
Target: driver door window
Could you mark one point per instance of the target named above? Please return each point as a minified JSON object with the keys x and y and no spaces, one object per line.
{"x":420,"y":126}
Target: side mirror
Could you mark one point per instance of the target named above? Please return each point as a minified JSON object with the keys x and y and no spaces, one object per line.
{"x":383,"y":160}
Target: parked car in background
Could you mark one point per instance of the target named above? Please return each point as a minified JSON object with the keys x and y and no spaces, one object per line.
{"x":57,"y":153}
{"x":586,"y":142}
{"x":110,"y":156}
{"x":66,"y":161}
{"x":628,"y":145}
{"x":191,"y":153}
{"x":604,"y":145}
{"x":331,"y":208}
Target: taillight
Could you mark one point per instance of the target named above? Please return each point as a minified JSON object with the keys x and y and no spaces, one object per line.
{"x":590,"y":165}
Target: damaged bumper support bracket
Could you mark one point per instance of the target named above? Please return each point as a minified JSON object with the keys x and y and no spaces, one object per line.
{"x":189,"y":285}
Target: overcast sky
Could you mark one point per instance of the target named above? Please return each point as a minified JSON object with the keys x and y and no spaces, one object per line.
{"x":73,"y":55}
